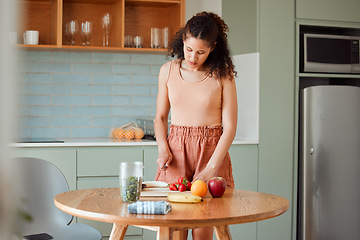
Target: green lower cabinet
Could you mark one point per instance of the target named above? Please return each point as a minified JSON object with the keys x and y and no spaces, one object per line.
{"x":103,"y":182}
{"x":63,"y":158}
{"x":98,"y":167}
{"x":104,"y":161}
{"x":244,"y":159}
{"x":150,"y":165}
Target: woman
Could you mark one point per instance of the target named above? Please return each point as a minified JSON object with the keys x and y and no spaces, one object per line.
{"x":199,"y":89}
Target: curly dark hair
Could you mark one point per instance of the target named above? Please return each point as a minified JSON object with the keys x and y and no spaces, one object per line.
{"x":209,"y":27}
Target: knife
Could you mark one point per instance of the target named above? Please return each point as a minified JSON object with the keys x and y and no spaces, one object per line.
{"x":154,"y":185}
{"x":164,"y":169}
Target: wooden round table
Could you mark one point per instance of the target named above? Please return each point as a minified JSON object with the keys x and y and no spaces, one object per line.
{"x":236,"y":206}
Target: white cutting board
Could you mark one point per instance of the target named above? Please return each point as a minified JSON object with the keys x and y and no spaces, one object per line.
{"x":155,"y":192}
{"x":152,"y":191}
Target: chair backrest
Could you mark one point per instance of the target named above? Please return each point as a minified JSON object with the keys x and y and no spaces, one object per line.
{"x":39,"y":182}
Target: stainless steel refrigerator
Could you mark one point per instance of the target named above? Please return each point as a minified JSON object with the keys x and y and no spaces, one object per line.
{"x":329,"y":163}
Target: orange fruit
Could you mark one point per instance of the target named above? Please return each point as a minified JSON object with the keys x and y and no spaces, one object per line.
{"x":199,"y":188}
{"x":118,"y":133}
{"x":129,"y":133}
{"x":139,"y":133}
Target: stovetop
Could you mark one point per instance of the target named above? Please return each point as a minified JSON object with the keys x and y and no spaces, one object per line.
{"x":39,"y":140}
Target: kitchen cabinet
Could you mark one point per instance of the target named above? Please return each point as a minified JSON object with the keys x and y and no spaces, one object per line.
{"x":98,"y":167}
{"x":272,"y":37}
{"x":244,"y":160}
{"x":150,"y":165}
{"x":338,"y":10}
{"x":242,"y":16}
{"x":104,"y":161}
{"x":128,"y":17}
{"x":63,"y":158}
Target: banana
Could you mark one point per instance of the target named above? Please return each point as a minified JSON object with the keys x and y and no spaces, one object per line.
{"x":183,"y":198}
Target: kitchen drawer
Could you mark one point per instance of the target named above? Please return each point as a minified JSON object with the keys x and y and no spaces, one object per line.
{"x":104,"y":161}
{"x":103,"y":182}
{"x":97,"y":182}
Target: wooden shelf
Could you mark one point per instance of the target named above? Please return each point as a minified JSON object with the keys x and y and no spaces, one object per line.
{"x":129,"y":17}
{"x":114,"y":49}
{"x":91,"y":49}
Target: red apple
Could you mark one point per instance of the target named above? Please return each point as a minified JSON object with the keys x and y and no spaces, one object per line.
{"x":217,"y":186}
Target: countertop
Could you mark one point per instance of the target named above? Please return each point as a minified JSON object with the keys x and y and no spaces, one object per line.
{"x":106,"y":142}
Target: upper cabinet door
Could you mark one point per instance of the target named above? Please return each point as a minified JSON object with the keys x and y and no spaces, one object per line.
{"x":335,"y":10}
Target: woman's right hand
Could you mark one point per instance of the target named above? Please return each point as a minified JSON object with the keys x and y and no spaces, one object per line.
{"x":163,"y":160}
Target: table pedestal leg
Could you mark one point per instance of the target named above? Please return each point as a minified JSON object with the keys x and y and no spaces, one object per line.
{"x":222,"y":232}
{"x":118,"y":232}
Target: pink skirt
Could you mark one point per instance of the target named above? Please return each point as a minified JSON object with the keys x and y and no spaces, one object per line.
{"x":192,"y":148}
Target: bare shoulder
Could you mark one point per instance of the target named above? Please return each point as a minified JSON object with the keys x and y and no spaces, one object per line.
{"x":164,"y":73}
{"x":228,"y":81}
{"x":165,"y":68}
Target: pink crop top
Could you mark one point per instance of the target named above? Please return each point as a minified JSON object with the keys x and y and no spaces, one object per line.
{"x":194,"y":103}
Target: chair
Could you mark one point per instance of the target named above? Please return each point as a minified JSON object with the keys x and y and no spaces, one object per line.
{"x":39,"y":182}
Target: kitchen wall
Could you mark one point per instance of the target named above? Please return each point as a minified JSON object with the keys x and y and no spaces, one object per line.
{"x":193,"y":7}
{"x":84,"y":94}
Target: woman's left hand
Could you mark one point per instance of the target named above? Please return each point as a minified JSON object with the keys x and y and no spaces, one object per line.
{"x":206,"y":175}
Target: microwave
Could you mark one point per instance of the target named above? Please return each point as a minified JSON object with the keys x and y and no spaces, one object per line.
{"x":331,"y":53}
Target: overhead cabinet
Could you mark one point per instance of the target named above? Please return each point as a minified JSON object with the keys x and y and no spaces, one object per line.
{"x":43,"y":16}
{"x":338,"y":10}
{"x":128,"y":18}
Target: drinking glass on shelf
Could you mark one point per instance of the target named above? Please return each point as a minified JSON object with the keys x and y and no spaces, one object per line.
{"x":71,"y":29}
{"x":128,"y":41}
{"x":106,"y":24}
{"x":155,"y":38}
{"x":138,"y":41}
{"x":165,"y":37}
{"x":86,"y":30}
